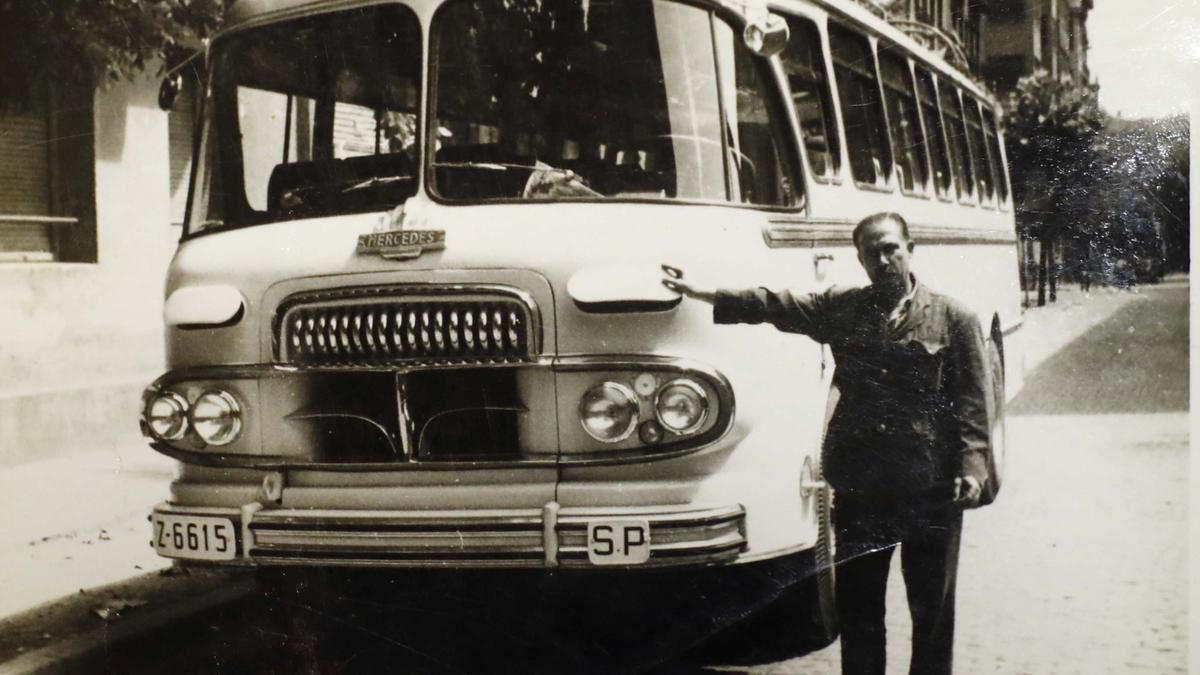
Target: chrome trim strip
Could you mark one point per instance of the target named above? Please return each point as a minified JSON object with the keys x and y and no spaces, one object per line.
{"x":549,"y":533}
{"x":812,"y":232}
{"x":527,"y":519}
{"x":441,"y":563}
{"x":247,"y":520}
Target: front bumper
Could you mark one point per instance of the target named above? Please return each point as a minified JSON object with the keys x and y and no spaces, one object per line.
{"x":505,"y":538}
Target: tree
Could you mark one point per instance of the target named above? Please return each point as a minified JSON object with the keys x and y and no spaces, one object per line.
{"x":1053,"y":125}
{"x":94,"y":41}
{"x":1140,"y":197}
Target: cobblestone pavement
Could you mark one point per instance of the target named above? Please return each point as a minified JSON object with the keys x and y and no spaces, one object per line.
{"x":1081,"y":565}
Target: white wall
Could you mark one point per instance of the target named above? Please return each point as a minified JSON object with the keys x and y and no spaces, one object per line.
{"x":79,"y":340}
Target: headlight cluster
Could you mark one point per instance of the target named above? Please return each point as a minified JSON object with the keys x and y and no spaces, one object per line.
{"x":612,"y":410}
{"x":215,"y":416}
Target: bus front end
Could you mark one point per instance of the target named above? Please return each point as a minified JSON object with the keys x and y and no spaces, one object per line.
{"x":416,"y":317}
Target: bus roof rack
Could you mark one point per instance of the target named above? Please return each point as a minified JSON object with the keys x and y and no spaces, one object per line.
{"x":935,"y":39}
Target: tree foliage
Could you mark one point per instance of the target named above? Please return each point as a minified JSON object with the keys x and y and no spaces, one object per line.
{"x":94,"y":40}
{"x":1107,"y":189}
{"x":1141,"y":199}
{"x":1053,"y":126}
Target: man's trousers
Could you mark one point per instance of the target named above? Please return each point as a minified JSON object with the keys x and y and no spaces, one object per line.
{"x":867,"y":534}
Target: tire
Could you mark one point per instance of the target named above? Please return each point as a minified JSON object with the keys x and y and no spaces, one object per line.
{"x":823,"y":623}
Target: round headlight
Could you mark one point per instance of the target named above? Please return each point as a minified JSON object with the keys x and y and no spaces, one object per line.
{"x":682,"y":406}
{"x":216,"y":417}
{"x":166,"y":415}
{"x":609,"y":412}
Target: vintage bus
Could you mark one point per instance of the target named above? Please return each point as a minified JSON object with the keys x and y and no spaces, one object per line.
{"x":416,"y":317}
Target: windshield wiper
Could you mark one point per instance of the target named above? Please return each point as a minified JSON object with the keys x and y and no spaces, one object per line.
{"x":564,"y":182}
{"x":490,"y":166}
{"x":374,"y":181}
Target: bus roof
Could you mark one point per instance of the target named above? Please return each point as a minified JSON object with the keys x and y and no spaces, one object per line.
{"x":245,"y":12}
{"x":857,"y":13}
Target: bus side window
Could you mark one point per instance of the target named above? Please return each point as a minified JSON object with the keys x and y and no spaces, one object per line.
{"x":766,"y":171}
{"x":975,"y":141}
{"x":995,"y":158}
{"x":907,"y":136}
{"x":862,"y":111}
{"x":956,"y":137}
{"x":804,"y":63}
{"x":935,"y":134}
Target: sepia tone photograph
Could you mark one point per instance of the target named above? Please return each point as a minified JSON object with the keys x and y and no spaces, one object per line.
{"x":596,"y":336}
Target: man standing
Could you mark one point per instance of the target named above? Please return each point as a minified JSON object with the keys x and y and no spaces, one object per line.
{"x":905,"y":450}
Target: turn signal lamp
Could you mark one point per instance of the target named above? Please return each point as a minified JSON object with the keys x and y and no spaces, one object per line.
{"x":682,"y":406}
{"x":216,"y":417}
{"x":166,"y":415}
{"x":609,"y":412}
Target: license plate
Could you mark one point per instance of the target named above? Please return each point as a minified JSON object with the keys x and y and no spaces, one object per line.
{"x":194,"y":537}
{"x":618,"y":542}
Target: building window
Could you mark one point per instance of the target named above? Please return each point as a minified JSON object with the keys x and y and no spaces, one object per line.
{"x":905,"y":122}
{"x":1043,"y":39}
{"x":804,"y":63}
{"x":862,"y":110}
{"x":47,"y":178}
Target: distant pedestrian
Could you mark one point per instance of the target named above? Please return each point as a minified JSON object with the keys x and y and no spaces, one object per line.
{"x":906,"y":447}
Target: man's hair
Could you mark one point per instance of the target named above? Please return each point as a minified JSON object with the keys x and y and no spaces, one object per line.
{"x":879,"y":218}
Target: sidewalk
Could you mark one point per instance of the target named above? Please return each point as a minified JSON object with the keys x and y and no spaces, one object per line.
{"x":79,"y":522}
{"x":1047,"y":329}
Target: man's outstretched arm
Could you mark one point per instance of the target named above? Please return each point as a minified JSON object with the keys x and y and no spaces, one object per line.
{"x":785,"y":311}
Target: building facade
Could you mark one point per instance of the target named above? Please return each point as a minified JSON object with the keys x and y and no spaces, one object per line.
{"x":89,"y":196}
{"x":1021,"y":36}
{"x":999,"y":40}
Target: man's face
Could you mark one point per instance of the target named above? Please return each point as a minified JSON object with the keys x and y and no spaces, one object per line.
{"x":885,"y":254}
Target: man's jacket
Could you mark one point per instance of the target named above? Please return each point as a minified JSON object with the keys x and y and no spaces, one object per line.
{"x":912,"y":413}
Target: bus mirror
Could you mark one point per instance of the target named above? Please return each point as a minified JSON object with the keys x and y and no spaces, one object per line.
{"x":766,"y":34}
{"x":168,"y":91}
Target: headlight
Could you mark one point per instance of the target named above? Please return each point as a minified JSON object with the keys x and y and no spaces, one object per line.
{"x":166,"y":415}
{"x":682,"y":406}
{"x":609,"y":412}
{"x":216,"y":417}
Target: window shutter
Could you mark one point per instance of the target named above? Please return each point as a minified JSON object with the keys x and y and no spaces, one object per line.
{"x":24,"y":185}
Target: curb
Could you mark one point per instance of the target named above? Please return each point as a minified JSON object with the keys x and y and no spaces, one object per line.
{"x":73,"y":653}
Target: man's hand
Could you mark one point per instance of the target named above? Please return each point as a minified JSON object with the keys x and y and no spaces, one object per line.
{"x":674,"y":281}
{"x":967,"y":491}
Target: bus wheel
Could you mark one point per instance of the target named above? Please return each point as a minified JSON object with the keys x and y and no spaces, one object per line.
{"x":824,"y":624}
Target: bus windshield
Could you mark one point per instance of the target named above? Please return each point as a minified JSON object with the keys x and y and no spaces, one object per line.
{"x":312,"y":117}
{"x":532,"y":100}
{"x":584,"y":99}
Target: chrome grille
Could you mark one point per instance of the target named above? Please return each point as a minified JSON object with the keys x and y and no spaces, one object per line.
{"x":421,"y":328}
